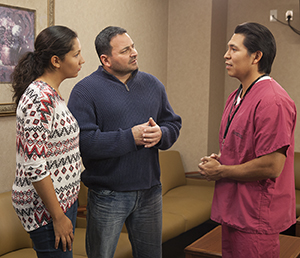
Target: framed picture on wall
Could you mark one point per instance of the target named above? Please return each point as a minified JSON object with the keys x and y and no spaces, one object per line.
{"x":17,"y":34}
{"x":7,"y":109}
{"x":17,"y":22}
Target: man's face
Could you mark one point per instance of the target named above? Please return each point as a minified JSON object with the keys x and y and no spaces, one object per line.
{"x":238,"y":61}
{"x":123,"y":58}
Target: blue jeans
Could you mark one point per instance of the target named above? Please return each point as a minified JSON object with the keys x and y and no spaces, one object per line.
{"x":141,"y":211}
{"x":44,"y":239}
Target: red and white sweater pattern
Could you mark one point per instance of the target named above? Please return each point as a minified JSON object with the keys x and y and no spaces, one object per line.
{"x":47,"y":143}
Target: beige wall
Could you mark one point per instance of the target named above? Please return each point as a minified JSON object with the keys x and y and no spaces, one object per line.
{"x":216,"y":86}
{"x":180,"y":42}
{"x":196,"y":73}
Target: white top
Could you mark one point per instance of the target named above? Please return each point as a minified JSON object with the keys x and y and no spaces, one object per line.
{"x":47,"y":143}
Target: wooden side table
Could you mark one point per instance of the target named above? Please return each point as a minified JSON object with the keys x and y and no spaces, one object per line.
{"x":210,"y":246}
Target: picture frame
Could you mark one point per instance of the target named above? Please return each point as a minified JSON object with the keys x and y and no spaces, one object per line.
{"x":51,"y":12}
{"x":8,"y":108}
{"x":17,"y":34}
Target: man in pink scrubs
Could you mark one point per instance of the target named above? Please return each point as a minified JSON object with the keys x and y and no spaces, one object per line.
{"x":254,"y":197}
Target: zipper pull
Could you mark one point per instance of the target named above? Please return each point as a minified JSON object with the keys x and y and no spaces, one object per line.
{"x":126,"y":87}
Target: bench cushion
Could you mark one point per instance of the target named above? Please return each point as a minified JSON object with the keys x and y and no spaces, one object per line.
{"x":12,"y":234}
{"x":173,"y":174}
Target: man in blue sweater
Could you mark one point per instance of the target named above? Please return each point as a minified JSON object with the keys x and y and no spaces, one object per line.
{"x":125,"y":117}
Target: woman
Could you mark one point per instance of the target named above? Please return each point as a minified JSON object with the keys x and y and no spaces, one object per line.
{"x":47,"y":180}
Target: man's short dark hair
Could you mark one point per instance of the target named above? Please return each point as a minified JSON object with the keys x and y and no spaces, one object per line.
{"x":102,"y":41}
{"x":259,"y":38}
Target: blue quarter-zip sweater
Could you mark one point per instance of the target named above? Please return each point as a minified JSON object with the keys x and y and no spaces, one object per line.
{"x":106,"y":109}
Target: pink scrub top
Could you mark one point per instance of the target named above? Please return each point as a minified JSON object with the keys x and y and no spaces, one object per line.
{"x":264,"y":123}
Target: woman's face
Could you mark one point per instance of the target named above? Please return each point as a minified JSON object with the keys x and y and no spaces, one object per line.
{"x":71,"y":65}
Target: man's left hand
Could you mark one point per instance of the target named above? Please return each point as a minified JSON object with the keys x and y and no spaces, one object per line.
{"x":151,"y":134}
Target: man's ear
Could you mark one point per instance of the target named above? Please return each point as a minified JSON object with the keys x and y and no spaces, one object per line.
{"x":257,"y":57}
{"x":55,"y":61}
{"x":105,"y":60}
